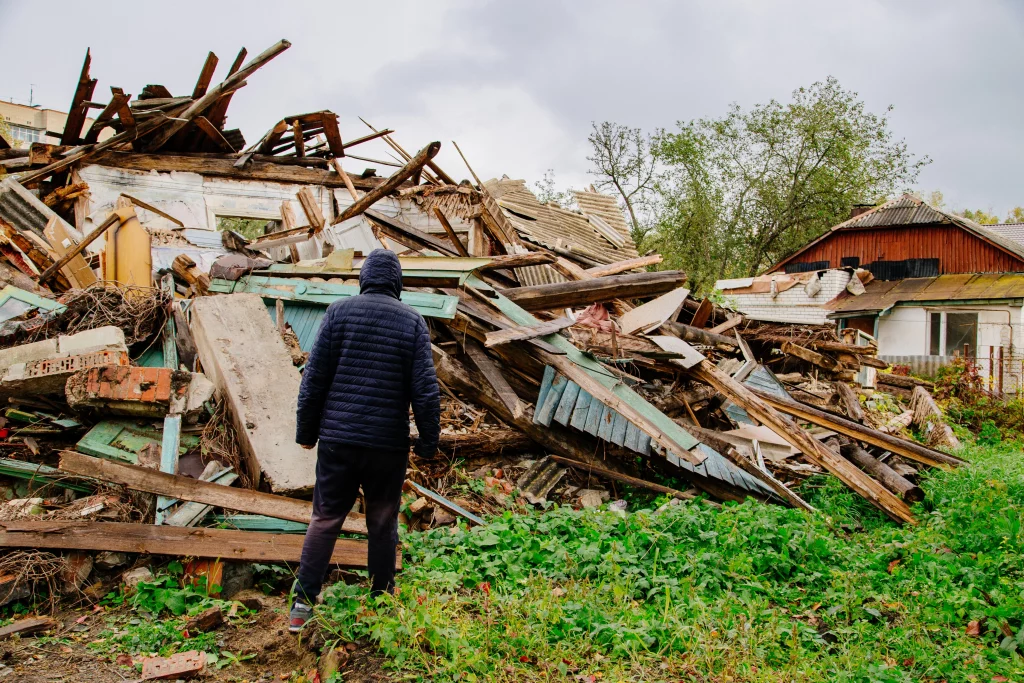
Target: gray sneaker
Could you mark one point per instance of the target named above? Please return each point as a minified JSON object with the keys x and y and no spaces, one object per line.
{"x":299,"y":615}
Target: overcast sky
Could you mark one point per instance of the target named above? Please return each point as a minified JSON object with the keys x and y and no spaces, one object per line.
{"x":517,"y":84}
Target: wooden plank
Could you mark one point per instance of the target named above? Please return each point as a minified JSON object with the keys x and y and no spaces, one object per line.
{"x":78,"y":272}
{"x":329,"y":121}
{"x":411,"y":168}
{"x":213,"y":133}
{"x":848,"y":397}
{"x":623,"y":266}
{"x":727,"y":325}
{"x":205,"y":76}
{"x":225,"y":544}
{"x":695,"y":335}
{"x":689,"y":356}
{"x":812,"y":357}
{"x":25,"y":627}
{"x":759,"y":407}
{"x":311,"y":208}
{"x":406,"y":234}
{"x":902,"y":447}
{"x":218,"y":111}
{"x":533,"y":258}
{"x":625,"y":479}
{"x":595,"y":290}
{"x":654,"y":313}
{"x":494,"y":377}
{"x":117,"y":101}
{"x":521,"y":332}
{"x":70,"y":254}
{"x":186,"y":488}
{"x":703,"y":313}
{"x":229,"y":84}
{"x":77,"y":110}
{"x":450,"y":231}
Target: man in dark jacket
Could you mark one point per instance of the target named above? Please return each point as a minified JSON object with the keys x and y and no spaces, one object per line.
{"x":371,"y":359}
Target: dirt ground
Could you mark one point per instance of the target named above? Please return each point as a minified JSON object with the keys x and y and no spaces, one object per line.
{"x":63,"y":655}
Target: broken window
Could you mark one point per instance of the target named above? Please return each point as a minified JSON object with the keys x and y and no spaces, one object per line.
{"x":961,"y":333}
{"x":952,"y":332}
{"x":247,"y":227}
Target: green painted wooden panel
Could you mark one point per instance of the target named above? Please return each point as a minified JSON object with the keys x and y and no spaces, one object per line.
{"x":123,"y":439}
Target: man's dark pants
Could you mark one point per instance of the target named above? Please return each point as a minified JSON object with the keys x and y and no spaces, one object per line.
{"x":340,"y":471}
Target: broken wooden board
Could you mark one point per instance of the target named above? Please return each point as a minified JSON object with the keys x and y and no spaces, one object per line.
{"x":28,"y":626}
{"x":225,"y":544}
{"x":595,"y":290}
{"x":246,"y":359}
{"x":688,"y":356}
{"x":521,"y":332}
{"x":125,"y":439}
{"x":761,"y":408}
{"x":185,"y":488}
{"x":443,"y":502}
{"x":902,"y":447}
{"x":654,"y":313}
{"x":77,"y":271}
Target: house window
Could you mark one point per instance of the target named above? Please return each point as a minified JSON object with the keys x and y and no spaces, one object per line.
{"x":950,"y":332}
{"x":961,"y":333}
{"x":25,"y":134}
{"x":249,"y":228}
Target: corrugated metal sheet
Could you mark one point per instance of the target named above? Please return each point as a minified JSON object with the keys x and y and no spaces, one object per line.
{"x":304,"y":319}
{"x":551,"y":226}
{"x":907,"y":228}
{"x":880,"y":294}
{"x":565,"y":402}
{"x":24,"y":211}
{"x":1010,"y":231}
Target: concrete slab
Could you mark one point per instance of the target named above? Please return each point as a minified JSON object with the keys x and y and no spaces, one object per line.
{"x":42,"y":367}
{"x":244,"y":356}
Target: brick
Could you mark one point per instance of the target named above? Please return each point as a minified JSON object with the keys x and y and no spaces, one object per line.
{"x":144,"y":392}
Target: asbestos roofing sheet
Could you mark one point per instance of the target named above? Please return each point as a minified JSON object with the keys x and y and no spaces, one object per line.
{"x":880,"y":295}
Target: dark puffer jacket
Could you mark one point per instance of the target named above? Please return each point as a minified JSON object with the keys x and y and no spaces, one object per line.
{"x":371,"y":359}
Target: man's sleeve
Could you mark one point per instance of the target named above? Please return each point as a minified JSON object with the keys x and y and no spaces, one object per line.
{"x":426,"y":398}
{"x":316,"y":382}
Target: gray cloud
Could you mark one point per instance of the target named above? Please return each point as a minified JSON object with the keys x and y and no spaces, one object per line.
{"x":517,"y":84}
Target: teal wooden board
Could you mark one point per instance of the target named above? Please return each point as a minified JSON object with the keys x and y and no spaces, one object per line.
{"x":123,"y":439}
{"x":42,"y":475}
{"x":579,"y":415}
{"x":326,"y":293}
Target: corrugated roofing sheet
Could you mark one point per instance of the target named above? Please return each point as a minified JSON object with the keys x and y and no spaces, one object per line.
{"x":881,"y":294}
{"x":1010,"y":231}
{"x":23,"y":210}
{"x":551,"y":226}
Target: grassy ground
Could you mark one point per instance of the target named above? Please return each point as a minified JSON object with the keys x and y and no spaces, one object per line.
{"x":748,"y":593}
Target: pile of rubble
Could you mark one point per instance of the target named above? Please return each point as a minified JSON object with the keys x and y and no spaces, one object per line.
{"x":150,"y":353}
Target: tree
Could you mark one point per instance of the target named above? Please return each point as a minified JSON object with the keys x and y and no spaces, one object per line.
{"x":623,"y":161}
{"x":1015,"y":215}
{"x":546,"y":191}
{"x":740,"y":192}
{"x":980,"y":217}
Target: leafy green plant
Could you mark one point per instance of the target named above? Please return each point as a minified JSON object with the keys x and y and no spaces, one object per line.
{"x":746,"y":593}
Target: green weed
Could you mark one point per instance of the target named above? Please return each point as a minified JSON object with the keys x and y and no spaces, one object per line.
{"x":746,"y":593}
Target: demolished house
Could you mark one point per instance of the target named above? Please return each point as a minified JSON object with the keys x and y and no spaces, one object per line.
{"x":166,"y":282}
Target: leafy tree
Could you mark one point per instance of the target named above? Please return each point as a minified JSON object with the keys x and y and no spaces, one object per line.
{"x":742,"y":191}
{"x":624,"y":162}
{"x":1015,"y":215}
{"x":980,"y":217}
{"x":547,"y":191}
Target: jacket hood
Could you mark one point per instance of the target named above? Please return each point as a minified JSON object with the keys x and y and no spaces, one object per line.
{"x":381,"y":274}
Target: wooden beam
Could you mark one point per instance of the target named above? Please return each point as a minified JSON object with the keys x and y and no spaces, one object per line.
{"x":851,"y":402}
{"x":596,"y":290}
{"x":882,"y":472}
{"x":78,"y":248}
{"x":218,"y":112}
{"x":185,"y":488}
{"x":410,"y":169}
{"x":117,"y":100}
{"x":703,"y":313}
{"x":812,"y":357}
{"x":902,"y":447}
{"x":814,"y":450}
{"x":625,"y":479}
{"x":696,"y":335}
{"x":205,"y":76}
{"x":311,"y":208}
{"x":533,"y":258}
{"x":494,"y":377}
{"x":213,"y":133}
{"x":332,"y":133}
{"x":450,"y":231}
{"x":24,"y":627}
{"x":229,"y":84}
{"x":78,"y":110}
{"x":408,"y":235}
{"x":727,"y":325}
{"x":224,"y":544}
{"x":623,"y":266}
{"x":522,"y":332}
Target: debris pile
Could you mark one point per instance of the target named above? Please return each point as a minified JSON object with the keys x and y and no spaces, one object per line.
{"x":150,"y":355}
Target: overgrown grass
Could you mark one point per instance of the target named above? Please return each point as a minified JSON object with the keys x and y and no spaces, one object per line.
{"x":748,"y":593}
